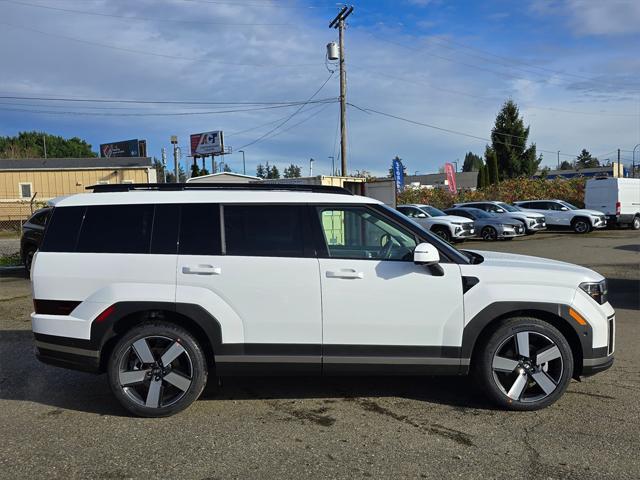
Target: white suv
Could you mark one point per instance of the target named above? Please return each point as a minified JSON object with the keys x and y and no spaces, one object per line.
{"x":160,"y":286}
{"x":448,"y":227}
{"x":562,"y":214}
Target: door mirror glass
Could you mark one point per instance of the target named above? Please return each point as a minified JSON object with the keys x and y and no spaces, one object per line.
{"x":426,"y":254}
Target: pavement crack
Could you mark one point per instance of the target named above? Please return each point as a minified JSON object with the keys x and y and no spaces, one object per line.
{"x":312,"y":415}
{"x":595,"y":395}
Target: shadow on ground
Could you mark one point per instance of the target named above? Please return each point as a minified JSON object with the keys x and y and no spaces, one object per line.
{"x":24,"y":378}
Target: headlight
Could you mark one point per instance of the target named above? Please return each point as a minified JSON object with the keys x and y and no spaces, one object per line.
{"x":597,"y":291}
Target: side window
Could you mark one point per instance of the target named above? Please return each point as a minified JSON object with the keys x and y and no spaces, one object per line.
{"x":539,"y":205}
{"x":360,"y":233}
{"x":116,"y":229}
{"x":62,"y":233}
{"x":490,"y":207}
{"x":481,"y":206}
{"x":164,"y":235}
{"x":265,"y":230}
{"x":200,"y":229}
{"x":410,"y":212}
{"x":40,"y":218}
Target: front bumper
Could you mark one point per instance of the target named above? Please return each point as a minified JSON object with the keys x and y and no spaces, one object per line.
{"x":463,"y":231}
{"x":510,"y":231}
{"x":591,"y":366}
{"x":599,"y":222}
{"x":536,"y":225}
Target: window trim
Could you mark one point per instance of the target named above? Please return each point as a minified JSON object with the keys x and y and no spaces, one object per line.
{"x":20,"y":185}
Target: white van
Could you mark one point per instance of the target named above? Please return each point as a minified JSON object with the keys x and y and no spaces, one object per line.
{"x":618,"y":198}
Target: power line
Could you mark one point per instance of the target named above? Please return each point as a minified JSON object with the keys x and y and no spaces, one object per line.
{"x":289,"y":117}
{"x":154,"y":54}
{"x":147,"y":114}
{"x":159,"y":102}
{"x":454,"y":132}
{"x":130,"y":17}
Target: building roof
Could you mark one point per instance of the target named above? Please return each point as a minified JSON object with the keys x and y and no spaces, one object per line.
{"x":213,"y":177}
{"x":584,"y":172}
{"x":73,"y":163}
{"x":463,"y":179}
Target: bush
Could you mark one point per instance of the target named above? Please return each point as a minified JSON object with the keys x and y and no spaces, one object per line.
{"x":571,"y":190}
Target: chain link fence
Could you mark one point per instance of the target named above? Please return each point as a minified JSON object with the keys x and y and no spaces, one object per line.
{"x":13,"y":213}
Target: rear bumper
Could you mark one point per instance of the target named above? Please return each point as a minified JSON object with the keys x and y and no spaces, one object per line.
{"x":624,"y":219}
{"x":67,"y":353}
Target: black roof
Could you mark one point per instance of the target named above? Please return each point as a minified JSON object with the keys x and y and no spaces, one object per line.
{"x":67,"y":163}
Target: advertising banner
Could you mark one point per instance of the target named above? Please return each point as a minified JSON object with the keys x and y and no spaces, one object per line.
{"x":207,"y":143}
{"x":126,"y":148}
{"x":451,"y":177}
{"x":398,"y":174}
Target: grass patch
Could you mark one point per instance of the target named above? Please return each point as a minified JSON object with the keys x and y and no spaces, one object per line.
{"x":10,"y":260}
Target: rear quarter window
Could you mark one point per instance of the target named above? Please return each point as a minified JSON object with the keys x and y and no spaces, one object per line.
{"x":62,"y":232}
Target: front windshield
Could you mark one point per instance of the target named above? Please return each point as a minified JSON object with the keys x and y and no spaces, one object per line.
{"x":450,"y":250}
{"x":568,"y":205}
{"x":508,"y":208}
{"x":431,"y":211}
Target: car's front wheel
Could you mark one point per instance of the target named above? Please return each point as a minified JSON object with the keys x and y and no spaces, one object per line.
{"x":524,"y":364}
{"x":636,"y":223}
{"x":443,"y":233}
{"x":581,"y":225}
{"x":157,"y":369}
{"x":489,"y":233}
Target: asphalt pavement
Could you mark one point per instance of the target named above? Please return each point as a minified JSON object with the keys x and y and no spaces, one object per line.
{"x":56,"y":423}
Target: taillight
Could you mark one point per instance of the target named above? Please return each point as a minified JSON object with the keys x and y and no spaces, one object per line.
{"x":617,"y":208}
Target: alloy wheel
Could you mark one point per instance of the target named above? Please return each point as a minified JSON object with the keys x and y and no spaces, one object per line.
{"x":155,"y":371}
{"x":581,"y":226}
{"x":527,"y":367}
{"x":489,"y":233}
{"x":636,"y":223}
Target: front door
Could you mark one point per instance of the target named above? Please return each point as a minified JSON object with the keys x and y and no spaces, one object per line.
{"x":381,"y":313}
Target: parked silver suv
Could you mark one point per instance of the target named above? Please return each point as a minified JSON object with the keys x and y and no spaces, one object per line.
{"x":533,"y":222}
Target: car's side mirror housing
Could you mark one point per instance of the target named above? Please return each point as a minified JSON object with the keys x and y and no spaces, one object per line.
{"x":421,"y":215}
{"x":564,"y":209}
{"x":426,"y":254}
{"x":499,"y":210}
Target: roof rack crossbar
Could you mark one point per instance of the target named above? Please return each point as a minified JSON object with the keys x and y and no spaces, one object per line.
{"x":127,"y":187}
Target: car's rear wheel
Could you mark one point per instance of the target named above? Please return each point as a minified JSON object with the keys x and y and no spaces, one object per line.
{"x":489,"y":233}
{"x":636,"y":223}
{"x":28,"y":257}
{"x":581,"y":225}
{"x":525,"y":364}
{"x":157,"y":369}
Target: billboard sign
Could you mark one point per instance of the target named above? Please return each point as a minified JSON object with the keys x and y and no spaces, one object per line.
{"x":207,"y":143}
{"x":126,"y":148}
{"x":398,"y":174}
{"x":451,"y":177}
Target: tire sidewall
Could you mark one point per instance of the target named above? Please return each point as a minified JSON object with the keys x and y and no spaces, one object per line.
{"x":636,"y":223}
{"x":492,"y":234}
{"x":190,"y":344}
{"x":579,"y":221}
{"x":483,"y":363}
{"x":443,"y":234}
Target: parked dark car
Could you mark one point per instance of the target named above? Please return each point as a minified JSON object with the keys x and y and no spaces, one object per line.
{"x":32,"y":233}
{"x":490,"y":226}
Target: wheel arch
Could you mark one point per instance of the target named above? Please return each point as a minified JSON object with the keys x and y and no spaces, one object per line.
{"x":484,"y":323}
{"x":127,"y":315}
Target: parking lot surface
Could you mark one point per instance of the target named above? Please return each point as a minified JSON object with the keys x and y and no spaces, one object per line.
{"x":57,"y":423}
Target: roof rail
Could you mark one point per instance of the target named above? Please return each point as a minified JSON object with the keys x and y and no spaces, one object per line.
{"x":127,"y":187}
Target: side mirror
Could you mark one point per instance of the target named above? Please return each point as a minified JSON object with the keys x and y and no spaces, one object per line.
{"x":564,"y":209}
{"x":421,"y":215}
{"x":426,"y":254}
{"x":499,"y":210}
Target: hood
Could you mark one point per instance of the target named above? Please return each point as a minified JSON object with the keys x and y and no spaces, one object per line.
{"x":538,"y":267}
{"x":452,"y":218}
{"x":501,"y":220}
{"x":524,"y":214}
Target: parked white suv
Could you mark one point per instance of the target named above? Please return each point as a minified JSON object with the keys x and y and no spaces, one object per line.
{"x":561,"y":214}
{"x":533,"y":222}
{"x":160,"y":286}
{"x":448,"y":227}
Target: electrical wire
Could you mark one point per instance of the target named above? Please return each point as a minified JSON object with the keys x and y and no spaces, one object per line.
{"x":155,"y":54}
{"x":160,"y":102}
{"x":253,"y":142}
{"x":137,"y":18}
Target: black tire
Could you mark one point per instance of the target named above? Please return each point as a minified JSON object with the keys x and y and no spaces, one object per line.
{"x":495,"y":377}
{"x":635,"y":224}
{"x":581,"y":225}
{"x":489,"y":234}
{"x":443,"y":233}
{"x":176,"y":385}
{"x":27,"y":259}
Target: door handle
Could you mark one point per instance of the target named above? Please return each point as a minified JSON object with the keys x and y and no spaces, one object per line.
{"x":201,"y":270}
{"x":345,"y":273}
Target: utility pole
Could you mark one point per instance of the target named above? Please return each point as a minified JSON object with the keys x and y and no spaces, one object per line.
{"x":311,"y":160}
{"x":558,"y":159}
{"x":333,"y":165}
{"x":174,"y":142}
{"x":633,"y":164}
{"x":163,"y":153}
{"x":619,"y":166}
{"x":244,"y":166}
{"x":44,"y":142}
{"x":338,"y":22}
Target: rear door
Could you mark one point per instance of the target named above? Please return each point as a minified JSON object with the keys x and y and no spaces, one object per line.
{"x":253,"y":267}
{"x":381,"y":312}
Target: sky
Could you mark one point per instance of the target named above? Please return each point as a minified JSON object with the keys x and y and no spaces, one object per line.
{"x":425,"y":78}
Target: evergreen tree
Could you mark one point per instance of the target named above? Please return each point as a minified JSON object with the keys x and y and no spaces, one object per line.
{"x":226,"y":167}
{"x":157,"y":165}
{"x":586,"y":160}
{"x":404,"y":168}
{"x":485,"y":176}
{"x":491,"y":162}
{"x":472,"y":162}
{"x":273,"y":172}
{"x":31,"y":145}
{"x":182,"y":176}
{"x":509,"y":141}
{"x":261,"y":172}
{"x":292,"y":171}
{"x":566,"y":165}
{"x":480,"y":181}
{"x":195,"y":170}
